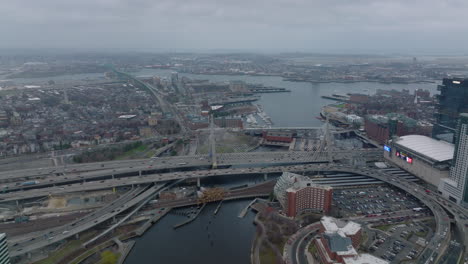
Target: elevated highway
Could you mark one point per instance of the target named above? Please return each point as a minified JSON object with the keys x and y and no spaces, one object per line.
{"x":87,"y":170}
{"x":39,"y":240}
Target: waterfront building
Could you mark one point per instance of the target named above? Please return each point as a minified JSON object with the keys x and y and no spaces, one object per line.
{"x":298,"y":194}
{"x":358,"y":98}
{"x":427,"y":158}
{"x":455,"y":187}
{"x":452,"y":100}
{"x":4,"y":254}
{"x":278,"y":136}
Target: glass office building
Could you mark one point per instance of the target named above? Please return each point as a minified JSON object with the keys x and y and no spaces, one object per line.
{"x":452,"y":100}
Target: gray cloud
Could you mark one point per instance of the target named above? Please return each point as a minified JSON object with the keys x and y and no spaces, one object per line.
{"x":274,"y":25}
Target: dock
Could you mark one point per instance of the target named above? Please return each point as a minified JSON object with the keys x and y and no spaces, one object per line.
{"x":341,"y":98}
{"x":269,"y":90}
{"x":191,"y":218}
{"x":218,"y":207}
{"x":246,"y":209}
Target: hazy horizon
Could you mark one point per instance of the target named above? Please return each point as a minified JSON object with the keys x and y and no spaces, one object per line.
{"x":334,"y":26}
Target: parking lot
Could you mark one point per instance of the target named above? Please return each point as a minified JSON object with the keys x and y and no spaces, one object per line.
{"x":397,"y":224}
{"x":400,"y":242}
{"x":372,"y":200}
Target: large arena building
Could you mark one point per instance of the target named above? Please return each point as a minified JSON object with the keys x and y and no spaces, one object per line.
{"x":425,"y":157}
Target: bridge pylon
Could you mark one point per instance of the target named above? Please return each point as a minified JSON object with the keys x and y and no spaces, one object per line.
{"x":214,"y":163}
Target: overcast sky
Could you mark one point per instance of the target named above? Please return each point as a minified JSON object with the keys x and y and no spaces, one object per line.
{"x":439,"y":26}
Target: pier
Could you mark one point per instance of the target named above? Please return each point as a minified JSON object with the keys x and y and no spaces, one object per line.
{"x":269,"y":90}
{"x":218,"y":207}
{"x":246,"y":209}
{"x":336,"y":97}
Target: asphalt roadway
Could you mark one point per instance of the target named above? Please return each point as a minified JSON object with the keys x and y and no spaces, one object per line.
{"x":39,"y":240}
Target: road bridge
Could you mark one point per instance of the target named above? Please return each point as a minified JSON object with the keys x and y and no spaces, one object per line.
{"x":11,"y":180}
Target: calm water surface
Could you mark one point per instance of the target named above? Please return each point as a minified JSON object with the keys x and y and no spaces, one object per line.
{"x":224,"y":238}
{"x":303,"y":104}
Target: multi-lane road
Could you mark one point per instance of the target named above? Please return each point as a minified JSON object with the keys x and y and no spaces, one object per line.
{"x":10,"y":178}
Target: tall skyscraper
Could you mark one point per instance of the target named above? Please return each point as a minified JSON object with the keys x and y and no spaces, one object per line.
{"x":452,"y":101}
{"x":455,"y":187}
{"x":4,"y":255}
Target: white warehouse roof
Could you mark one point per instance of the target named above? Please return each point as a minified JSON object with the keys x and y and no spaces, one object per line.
{"x":437,"y":150}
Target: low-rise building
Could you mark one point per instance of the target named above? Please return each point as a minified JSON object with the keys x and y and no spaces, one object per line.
{"x":348,"y":229}
{"x":278,"y":136}
{"x":338,"y":242}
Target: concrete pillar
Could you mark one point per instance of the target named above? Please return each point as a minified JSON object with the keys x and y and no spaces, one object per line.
{"x":139,"y":173}
{"x":29,"y":255}
{"x":114,"y":220}
{"x":198,"y":182}
{"x":265,"y":176}
{"x":17,"y":203}
{"x":112,"y":176}
{"x":77,"y":236}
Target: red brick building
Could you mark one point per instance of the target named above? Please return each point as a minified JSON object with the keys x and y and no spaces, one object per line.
{"x":297,"y":194}
{"x":380,"y":128}
{"x":278,"y":136}
{"x":307,"y":196}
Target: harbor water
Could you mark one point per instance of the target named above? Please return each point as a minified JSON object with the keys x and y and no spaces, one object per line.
{"x":302,"y":105}
{"x":209,"y":239}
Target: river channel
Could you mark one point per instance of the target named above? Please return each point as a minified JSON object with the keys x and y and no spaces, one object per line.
{"x":209,"y":239}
